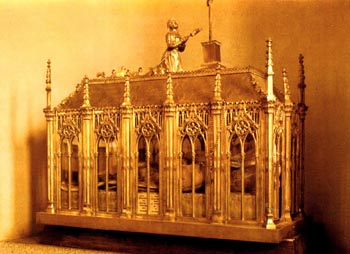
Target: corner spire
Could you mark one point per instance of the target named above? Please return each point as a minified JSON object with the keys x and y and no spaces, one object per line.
{"x":217,"y":88}
{"x":169,"y":90}
{"x":86,"y":95}
{"x":270,"y":73}
{"x":302,"y":84}
{"x":127,"y":99}
{"x":302,"y":108}
{"x":48,"y":84}
{"x":286,"y":87}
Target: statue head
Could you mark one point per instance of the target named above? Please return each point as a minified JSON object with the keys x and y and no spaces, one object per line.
{"x":172,"y":24}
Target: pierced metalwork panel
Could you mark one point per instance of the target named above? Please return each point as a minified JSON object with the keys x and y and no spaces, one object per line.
{"x":107,"y":123}
{"x":252,"y":110}
{"x":155,"y":112}
{"x":185,"y":110}
{"x":69,"y":124}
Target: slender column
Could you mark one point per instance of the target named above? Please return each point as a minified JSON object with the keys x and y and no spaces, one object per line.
{"x":50,"y":142}
{"x":216,"y":111}
{"x":288,"y":107}
{"x":126,"y":129}
{"x":169,"y":133}
{"x":49,"y":114}
{"x":302,"y":108}
{"x":86,"y":149}
{"x":270,"y":111}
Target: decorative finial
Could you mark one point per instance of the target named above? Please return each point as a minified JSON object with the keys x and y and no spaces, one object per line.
{"x":302,"y":84}
{"x":86,"y":96}
{"x":270,"y":73}
{"x":127,"y":100}
{"x":48,"y":75}
{"x":217,"y":88}
{"x":286,"y":86}
{"x":269,"y":63}
{"x":169,"y":90}
{"x":302,"y":72}
{"x":48,"y":84}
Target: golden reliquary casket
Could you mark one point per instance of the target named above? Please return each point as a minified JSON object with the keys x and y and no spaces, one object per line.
{"x":215,"y":152}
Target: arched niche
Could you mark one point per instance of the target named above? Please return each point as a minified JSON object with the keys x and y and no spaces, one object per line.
{"x":69,"y":173}
{"x":242,"y":171}
{"x":107,"y":167}
{"x":148,"y":175}
{"x":193,"y":171}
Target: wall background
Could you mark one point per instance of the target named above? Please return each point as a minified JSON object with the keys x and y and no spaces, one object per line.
{"x":85,"y":37}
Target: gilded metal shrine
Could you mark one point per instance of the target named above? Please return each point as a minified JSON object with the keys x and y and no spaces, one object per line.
{"x":215,"y":152}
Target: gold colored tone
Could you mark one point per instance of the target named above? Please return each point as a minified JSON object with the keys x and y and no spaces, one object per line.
{"x":171,"y":61}
{"x":270,"y":124}
{"x":50,"y":149}
{"x":48,"y":85}
{"x":211,"y":153}
{"x":270,"y":73}
{"x":288,"y":104}
{"x":86,"y":93}
{"x":169,"y":90}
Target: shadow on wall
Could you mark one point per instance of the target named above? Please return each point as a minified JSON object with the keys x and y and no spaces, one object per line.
{"x":38,"y":175}
{"x":30,"y":184}
{"x":315,"y":237}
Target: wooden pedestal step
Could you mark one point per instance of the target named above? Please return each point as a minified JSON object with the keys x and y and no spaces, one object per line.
{"x":126,"y":242}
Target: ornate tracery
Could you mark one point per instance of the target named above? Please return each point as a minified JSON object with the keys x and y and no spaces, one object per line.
{"x":193,"y":166}
{"x":148,"y":165}
{"x":69,"y":163}
{"x":107,"y":161}
{"x":242,"y":166}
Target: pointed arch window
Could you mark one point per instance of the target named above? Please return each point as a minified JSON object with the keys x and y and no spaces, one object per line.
{"x":242,"y":168}
{"x":107,"y":164}
{"x":148,"y":164}
{"x":70,"y":168}
{"x":193,"y":168}
{"x":107,"y":167}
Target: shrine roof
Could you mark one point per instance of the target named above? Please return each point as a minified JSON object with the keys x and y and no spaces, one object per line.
{"x":246,"y":84}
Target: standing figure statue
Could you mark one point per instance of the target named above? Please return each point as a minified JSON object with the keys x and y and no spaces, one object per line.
{"x":171,"y":60}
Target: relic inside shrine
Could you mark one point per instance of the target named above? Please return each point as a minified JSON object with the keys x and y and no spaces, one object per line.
{"x":215,"y":152}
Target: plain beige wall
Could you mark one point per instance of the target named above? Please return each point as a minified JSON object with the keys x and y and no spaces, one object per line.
{"x":86,"y":37}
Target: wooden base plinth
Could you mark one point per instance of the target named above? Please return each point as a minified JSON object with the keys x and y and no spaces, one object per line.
{"x":126,"y":242}
{"x":201,"y":229}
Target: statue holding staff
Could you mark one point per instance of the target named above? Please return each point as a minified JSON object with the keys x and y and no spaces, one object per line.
{"x":171,"y":60}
